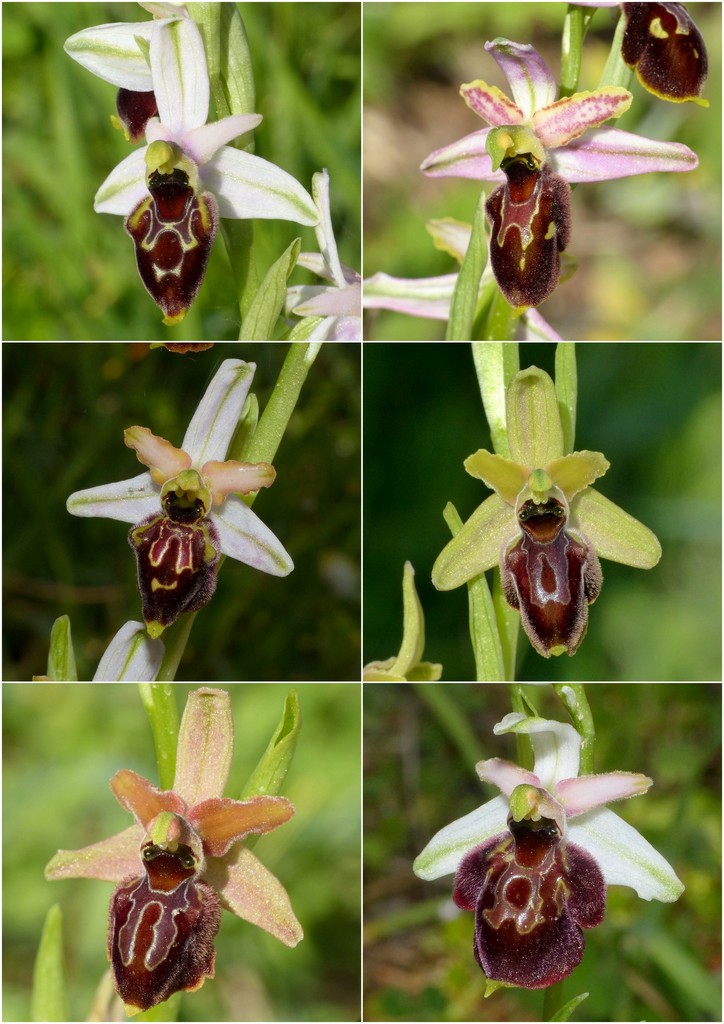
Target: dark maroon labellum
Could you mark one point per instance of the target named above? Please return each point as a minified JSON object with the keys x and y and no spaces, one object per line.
{"x":134,"y":112}
{"x":177,"y":555}
{"x":667,"y":50}
{"x":531,"y":894}
{"x":173,"y":231}
{"x":531,"y":224}
{"x":551,"y":575}
{"x":161,"y":929}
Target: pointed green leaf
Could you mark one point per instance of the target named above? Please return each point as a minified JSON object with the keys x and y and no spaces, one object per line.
{"x":49,"y":1000}
{"x":535,"y":435}
{"x":61,"y":656}
{"x":477,"y":546}
{"x":565,"y":1011}
{"x":614,"y":533}
{"x":268,"y":303}
{"x":413,"y":626}
{"x":465,"y":297}
{"x":268,"y":777}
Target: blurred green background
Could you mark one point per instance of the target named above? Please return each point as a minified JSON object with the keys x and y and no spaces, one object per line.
{"x":648,"y":960}
{"x":65,"y":409}
{"x":654,"y":410}
{"x":648,"y":248}
{"x":69,"y":273}
{"x":61,"y":745}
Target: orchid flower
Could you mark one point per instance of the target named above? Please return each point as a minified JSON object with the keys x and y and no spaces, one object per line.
{"x":665,"y":48}
{"x":132,"y":656}
{"x":185,"y":510}
{"x":534,"y":146}
{"x":173,"y":190}
{"x":340,"y":303}
{"x":181,"y":862}
{"x":431,"y":297}
{"x":545,"y":526}
{"x":533,"y":864}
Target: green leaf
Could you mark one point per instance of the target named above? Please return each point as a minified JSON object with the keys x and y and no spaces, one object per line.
{"x":496,"y":363}
{"x":268,"y":777}
{"x":268,"y":303}
{"x":465,"y":297}
{"x":567,"y":391}
{"x":304,"y":328}
{"x":487,"y":648}
{"x":61,"y":656}
{"x":49,"y":1000}
{"x":565,"y":1011}
{"x":159,"y":700}
{"x":616,"y":72}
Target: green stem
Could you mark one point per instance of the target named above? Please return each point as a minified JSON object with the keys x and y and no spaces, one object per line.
{"x":574,"y":32}
{"x":523,"y":744}
{"x":573,"y":696}
{"x":261,"y":446}
{"x":159,"y":701}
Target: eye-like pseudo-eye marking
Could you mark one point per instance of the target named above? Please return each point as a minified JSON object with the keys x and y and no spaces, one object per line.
{"x":161,"y":929}
{"x":666,"y":49}
{"x":531,"y":894}
{"x":531,"y":224}
{"x":551,"y":574}
{"x":173,"y":231}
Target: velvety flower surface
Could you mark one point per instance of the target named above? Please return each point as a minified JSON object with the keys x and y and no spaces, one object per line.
{"x":181,"y":862}
{"x":185,"y":509}
{"x":545,"y":526}
{"x":535,"y":145}
{"x":533,"y":863}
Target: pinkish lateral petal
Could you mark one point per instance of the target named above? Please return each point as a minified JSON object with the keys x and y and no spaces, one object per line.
{"x":108,"y":861}
{"x":253,"y":893}
{"x":466,"y":158}
{"x":223,"y":822}
{"x":488,"y":102}
{"x":157,"y":453}
{"x":561,"y":122}
{"x":143,"y":799}
{"x":205,"y":746}
{"x":531,"y":81}
{"x":588,"y":791}
{"x":234,"y":477}
{"x":505,"y":775}
{"x":607,"y":153}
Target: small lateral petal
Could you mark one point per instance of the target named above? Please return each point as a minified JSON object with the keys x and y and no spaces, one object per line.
{"x":205,"y":746}
{"x":222,"y":822}
{"x":502,"y":475}
{"x":565,"y":120}
{"x":577,"y":471}
{"x":505,"y":775}
{"x":157,"y":453}
{"x":589,"y":791}
{"x":488,"y":102}
{"x":144,"y":800}
{"x":234,"y":477}
{"x":252,"y":892}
